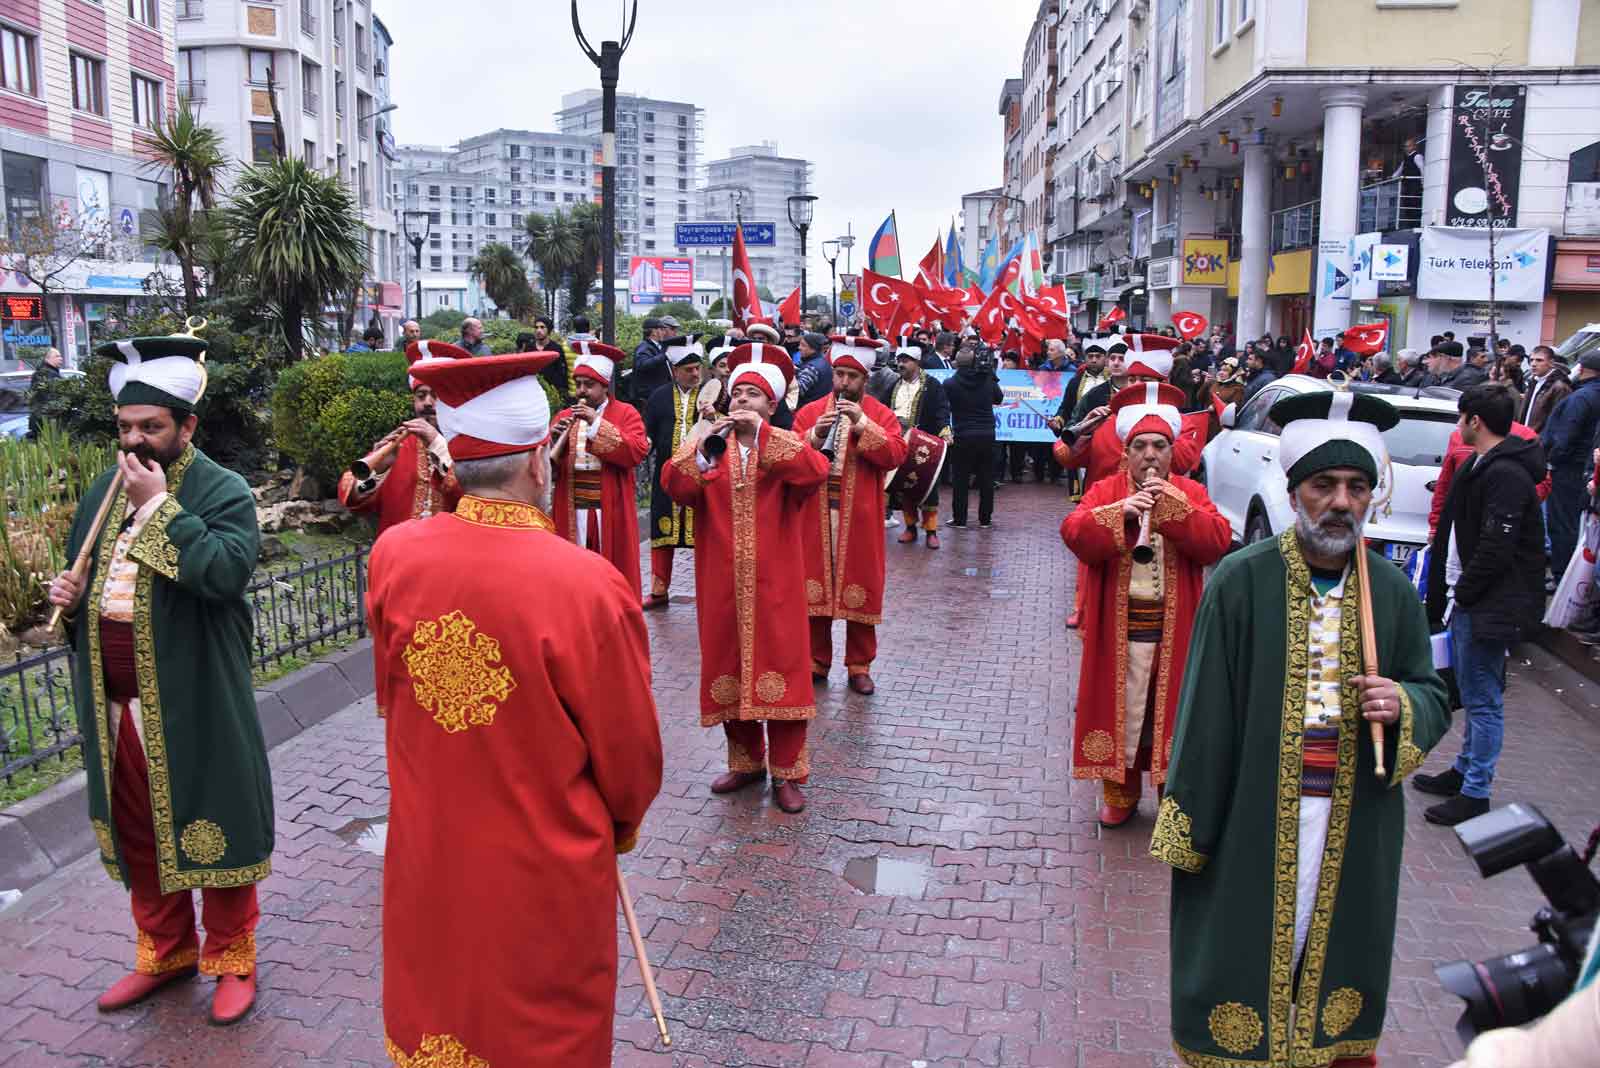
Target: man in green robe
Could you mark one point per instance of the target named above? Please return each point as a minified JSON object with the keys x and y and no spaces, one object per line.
{"x":180,"y":794}
{"x":1284,"y":842}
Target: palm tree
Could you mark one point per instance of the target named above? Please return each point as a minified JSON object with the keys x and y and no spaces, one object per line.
{"x":587,"y":220}
{"x":498,"y":269}
{"x":299,"y":234}
{"x":554,"y":245}
{"x":192,"y":154}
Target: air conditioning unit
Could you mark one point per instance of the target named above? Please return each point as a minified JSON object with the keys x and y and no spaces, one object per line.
{"x":1097,"y":185}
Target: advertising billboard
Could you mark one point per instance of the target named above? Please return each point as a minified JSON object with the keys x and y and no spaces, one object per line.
{"x":655,"y":279}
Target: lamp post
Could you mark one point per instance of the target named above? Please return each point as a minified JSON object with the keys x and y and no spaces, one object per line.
{"x":423,"y":222}
{"x":833,"y":275}
{"x":801,"y":208}
{"x":609,"y":60}
{"x":847,"y":241}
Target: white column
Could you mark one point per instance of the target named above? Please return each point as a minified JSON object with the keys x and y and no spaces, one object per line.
{"x":1255,"y":235}
{"x":1553,"y":33}
{"x":1341,"y":199}
{"x":1436,"y":155}
{"x":1161,"y":213}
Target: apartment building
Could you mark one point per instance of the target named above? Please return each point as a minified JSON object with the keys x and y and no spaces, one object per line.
{"x":979,"y":213}
{"x":1038,"y":120}
{"x":78,"y":82}
{"x":1008,"y":222}
{"x":755,"y":182}
{"x":461,"y":198}
{"x":321,"y":68}
{"x":658,"y":153}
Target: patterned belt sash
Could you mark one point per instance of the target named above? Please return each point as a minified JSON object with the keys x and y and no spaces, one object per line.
{"x":116,"y":659}
{"x":1144,"y":620}
{"x":1320,"y":761}
{"x":586,"y":488}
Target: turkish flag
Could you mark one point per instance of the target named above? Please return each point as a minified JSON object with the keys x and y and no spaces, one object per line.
{"x":1304,"y":353}
{"x":937,"y":302}
{"x":789,"y":310}
{"x":1115,"y":315}
{"x":1366,"y":338}
{"x":999,"y":306}
{"x":930,"y":272}
{"x":1189,"y":325}
{"x":889,"y":302}
{"x":746,"y":299}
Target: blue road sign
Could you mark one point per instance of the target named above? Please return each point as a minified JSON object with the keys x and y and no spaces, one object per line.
{"x":720,"y":234}
{"x":847,"y":310}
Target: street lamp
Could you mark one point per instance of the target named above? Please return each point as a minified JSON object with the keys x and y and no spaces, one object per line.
{"x":417,"y":220}
{"x":374,"y":114}
{"x":801,"y":207}
{"x":833,"y":275}
{"x":609,"y":60}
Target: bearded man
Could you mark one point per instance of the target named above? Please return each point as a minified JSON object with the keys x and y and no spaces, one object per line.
{"x":1285,"y":844}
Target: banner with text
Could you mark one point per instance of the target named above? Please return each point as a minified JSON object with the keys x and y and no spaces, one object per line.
{"x":654,"y":279}
{"x":1485,"y":155}
{"x":1455,"y":264}
{"x":1031,"y":398}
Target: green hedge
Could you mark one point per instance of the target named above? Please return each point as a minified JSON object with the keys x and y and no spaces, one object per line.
{"x":328,"y":411}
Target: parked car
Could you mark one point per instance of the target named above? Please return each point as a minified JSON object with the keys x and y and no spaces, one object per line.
{"x":1247,"y":485}
{"x":15,"y":392}
{"x":1584,"y":340}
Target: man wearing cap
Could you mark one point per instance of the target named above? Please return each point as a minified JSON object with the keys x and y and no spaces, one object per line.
{"x":597,"y":446}
{"x":917,"y":400}
{"x":523,"y":748}
{"x":1285,"y":843}
{"x":669,"y":416}
{"x":844,"y":528}
{"x":1146,"y":537}
{"x":748,"y":483}
{"x":815,"y":376}
{"x":180,"y":795}
{"x":650,"y":370}
{"x":413,"y":480}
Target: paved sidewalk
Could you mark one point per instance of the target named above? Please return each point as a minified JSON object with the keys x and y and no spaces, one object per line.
{"x":1031,"y":937}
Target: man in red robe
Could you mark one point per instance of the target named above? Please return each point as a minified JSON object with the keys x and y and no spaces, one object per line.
{"x":598,"y":444}
{"x":413,"y":481}
{"x":1140,"y":599}
{"x":514,"y":671}
{"x":844,"y":527}
{"x":749,"y":483}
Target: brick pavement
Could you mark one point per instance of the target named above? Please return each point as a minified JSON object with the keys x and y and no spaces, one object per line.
{"x":1039,"y":938}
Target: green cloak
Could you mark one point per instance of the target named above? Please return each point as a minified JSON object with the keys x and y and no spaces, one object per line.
{"x":210,"y":786}
{"x":1234,"y":790}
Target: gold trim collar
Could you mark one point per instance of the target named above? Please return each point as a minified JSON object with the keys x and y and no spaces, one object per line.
{"x":486,"y":512}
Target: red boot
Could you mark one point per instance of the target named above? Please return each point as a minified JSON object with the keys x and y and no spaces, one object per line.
{"x":235,"y":994}
{"x":729,"y":781}
{"x":136,"y":986}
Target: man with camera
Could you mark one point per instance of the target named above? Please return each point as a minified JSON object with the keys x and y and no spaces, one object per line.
{"x":972,"y":391}
{"x":1284,"y":838}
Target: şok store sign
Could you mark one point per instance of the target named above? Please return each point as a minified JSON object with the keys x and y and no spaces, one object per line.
{"x":1205,"y":261}
{"x":654,"y":279}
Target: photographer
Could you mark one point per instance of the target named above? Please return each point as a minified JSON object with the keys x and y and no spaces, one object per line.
{"x":973,"y":391}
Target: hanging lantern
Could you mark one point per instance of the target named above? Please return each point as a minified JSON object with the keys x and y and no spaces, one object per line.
{"x":1277,"y":107}
{"x":1222,"y":137}
{"x":1305,"y":167}
{"x":1238,"y":182}
{"x":1288,"y":172}
{"x":1175,"y":178}
{"x":1234,"y":145}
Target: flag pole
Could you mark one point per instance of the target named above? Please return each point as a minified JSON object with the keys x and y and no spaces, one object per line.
{"x":894,"y":221}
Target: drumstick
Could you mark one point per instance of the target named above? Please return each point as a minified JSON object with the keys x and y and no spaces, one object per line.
{"x":643,"y":958}
{"x":1369,"y":648}
{"x":80,"y":566}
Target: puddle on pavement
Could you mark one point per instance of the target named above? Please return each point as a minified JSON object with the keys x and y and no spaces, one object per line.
{"x":887,"y":878}
{"x":367,"y":835}
{"x":979,"y":572}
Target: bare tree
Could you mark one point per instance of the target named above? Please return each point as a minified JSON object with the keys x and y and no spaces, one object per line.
{"x":45,"y":246}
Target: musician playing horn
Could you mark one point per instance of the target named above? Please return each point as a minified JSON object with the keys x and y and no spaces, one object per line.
{"x":844,"y":528}
{"x":412,"y":477}
{"x":919,"y":401}
{"x":1145,"y":537}
{"x":749,"y":492}
{"x":598,"y":443}
{"x":513,"y":670}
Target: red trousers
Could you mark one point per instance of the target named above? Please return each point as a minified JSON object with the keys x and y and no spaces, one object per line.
{"x":860,"y":645}
{"x":660,"y":570}
{"x":782,"y":751}
{"x":167,"y":939}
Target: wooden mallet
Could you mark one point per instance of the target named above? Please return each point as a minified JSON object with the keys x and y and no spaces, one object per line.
{"x":1369,"y":649}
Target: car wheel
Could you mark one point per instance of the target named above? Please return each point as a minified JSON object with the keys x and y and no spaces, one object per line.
{"x":1257,"y":529}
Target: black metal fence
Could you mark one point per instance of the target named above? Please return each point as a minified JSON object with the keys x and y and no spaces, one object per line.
{"x":299,"y":612}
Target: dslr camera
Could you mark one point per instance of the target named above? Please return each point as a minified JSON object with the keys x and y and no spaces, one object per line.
{"x":1514,"y":989}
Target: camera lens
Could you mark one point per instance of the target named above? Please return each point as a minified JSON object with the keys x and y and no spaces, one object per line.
{"x":1507,"y":991}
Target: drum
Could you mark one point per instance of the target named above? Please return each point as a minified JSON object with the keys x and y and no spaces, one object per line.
{"x":913,"y":481}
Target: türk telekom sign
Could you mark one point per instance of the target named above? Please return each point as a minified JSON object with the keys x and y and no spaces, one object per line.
{"x":1485,"y":155}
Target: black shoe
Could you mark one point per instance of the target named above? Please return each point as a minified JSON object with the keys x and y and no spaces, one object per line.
{"x":1457,"y":809}
{"x":1445,"y":784}
{"x":985,"y":525}
{"x":957,"y":524}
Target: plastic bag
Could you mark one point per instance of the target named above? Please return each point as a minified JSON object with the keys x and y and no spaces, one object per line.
{"x":1571,"y":603}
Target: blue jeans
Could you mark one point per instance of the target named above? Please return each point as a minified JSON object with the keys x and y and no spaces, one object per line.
{"x":1480,"y":667}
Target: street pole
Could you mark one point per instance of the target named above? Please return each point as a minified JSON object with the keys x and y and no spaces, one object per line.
{"x":609,"y":60}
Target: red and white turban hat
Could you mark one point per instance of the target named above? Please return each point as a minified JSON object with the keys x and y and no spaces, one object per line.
{"x":597,"y":361}
{"x":490,"y":405}
{"x":1148,"y":408}
{"x":857,"y":353}
{"x":765,"y":366}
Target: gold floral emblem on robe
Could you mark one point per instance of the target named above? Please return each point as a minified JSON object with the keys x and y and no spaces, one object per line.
{"x":456,"y":672}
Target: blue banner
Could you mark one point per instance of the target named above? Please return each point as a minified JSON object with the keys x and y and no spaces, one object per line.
{"x":719,"y":234}
{"x":1031,"y":398}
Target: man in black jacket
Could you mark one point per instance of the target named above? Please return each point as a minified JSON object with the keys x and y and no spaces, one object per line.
{"x":918,"y":400}
{"x":972,"y":393}
{"x":1487,"y":582}
{"x":650,"y":369}
{"x":1568,"y":438}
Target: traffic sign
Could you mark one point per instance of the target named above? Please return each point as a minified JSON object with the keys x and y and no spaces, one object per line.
{"x":720,"y":234}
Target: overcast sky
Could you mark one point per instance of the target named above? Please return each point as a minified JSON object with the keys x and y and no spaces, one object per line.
{"x":893,"y":102}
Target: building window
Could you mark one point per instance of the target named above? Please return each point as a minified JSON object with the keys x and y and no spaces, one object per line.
{"x":1247,"y":10}
{"x":19,"y":64}
{"x":683,"y":210}
{"x":145,"y":11}
{"x":649,"y":116}
{"x":516,"y":196}
{"x":146,"y":102}
{"x":649,"y":246}
{"x":88,"y":84}
{"x":308,"y":153}
{"x":550,"y":198}
{"x":260,"y":66}
{"x":567,"y":198}
{"x":490,"y":219}
{"x":433,"y":192}
{"x":488,"y":195}
{"x":549,"y":152}
{"x":650,"y":179}
{"x":683,"y":184}
{"x":433,"y":218}
{"x":516,"y":174}
{"x":515,"y":151}
{"x":24,"y":184}
{"x":550,"y":173}
{"x":263,"y":143}
{"x":683,"y":120}
{"x":1219,"y":23}
{"x":435,"y":262}
{"x":192,"y":75}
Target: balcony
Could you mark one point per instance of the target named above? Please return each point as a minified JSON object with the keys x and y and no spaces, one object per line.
{"x":310,"y":101}
{"x":191,"y":9}
{"x":308,"y":20}
{"x":1390,"y":205}
{"x":1296,"y":227}
{"x":192,"y":92}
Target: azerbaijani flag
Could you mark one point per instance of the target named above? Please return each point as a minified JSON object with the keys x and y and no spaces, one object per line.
{"x":952,"y":260}
{"x":1032,"y":266}
{"x":883,"y":252}
{"x":1014,"y":280}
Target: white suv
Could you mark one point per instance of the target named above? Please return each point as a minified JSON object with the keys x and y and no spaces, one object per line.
{"x":1246,"y":483}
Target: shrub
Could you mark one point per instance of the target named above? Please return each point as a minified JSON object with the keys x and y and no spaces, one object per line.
{"x":443,"y":323}
{"x":328,"y":411}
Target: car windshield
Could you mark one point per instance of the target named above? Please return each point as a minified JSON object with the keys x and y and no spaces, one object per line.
{"x":13,"y":397}
{"x":1576,"y":346}
{"x":1420,"y":439}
